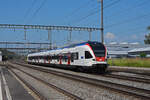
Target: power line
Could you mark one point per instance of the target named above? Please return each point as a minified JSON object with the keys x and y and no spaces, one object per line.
{"x":79,"y":9}
{"x":134,"y":29}
{"x":29,"y":9}
{"x":82,"y":6}
{"x":128,"y":20}
{"x":129,"y":9}
{"x":85,"y":17}
{"x":37,"y":10}
{"x":95,"y":12}
{"x":111,"y":4}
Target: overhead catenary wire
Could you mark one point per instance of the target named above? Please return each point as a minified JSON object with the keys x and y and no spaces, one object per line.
{"x":37,"y":10}
{"x":127,"y":10}
{"x":128,"y":20}
{"x":141,"y":4}
{"x":111,"y":4}
{"x":96,"y":11}
{"x":85,"y":17}
{"x":79,"y":8}
{"x":75,"y":11}
{"x":30,"y":8}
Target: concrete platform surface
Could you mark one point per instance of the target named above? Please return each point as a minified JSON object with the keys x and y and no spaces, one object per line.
{"x":11,"y":88}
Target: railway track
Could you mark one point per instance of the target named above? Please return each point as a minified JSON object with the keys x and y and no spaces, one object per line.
{"x":143,"y":94}
{"x":39,"y":96}
{"x":123,"y":77}
{"x":69,"y":95}
{"x":129,"y":71}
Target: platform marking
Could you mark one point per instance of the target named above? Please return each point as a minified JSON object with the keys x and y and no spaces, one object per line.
{"x":6,"y":87}
{"x":1,"y":95}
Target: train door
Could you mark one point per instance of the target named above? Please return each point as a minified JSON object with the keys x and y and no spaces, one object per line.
{"x":44,"y":57}
{"x":69,"y":58}
{"x":60,"y":59}
{"x":88,"y":58}
{"x":49,"y":59}
{"x":81,"y":57}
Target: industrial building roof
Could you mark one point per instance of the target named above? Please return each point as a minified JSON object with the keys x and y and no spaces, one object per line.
{"x":117,"y":52}
{"x":140,"y":49}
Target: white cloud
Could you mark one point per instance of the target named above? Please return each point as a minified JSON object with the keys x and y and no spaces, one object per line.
{"x":110,"y":35}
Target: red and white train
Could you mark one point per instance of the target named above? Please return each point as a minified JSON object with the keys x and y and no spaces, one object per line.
{"x":83,"y":56}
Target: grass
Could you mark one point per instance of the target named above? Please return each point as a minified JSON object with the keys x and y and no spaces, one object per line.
{"x":130,"y":62}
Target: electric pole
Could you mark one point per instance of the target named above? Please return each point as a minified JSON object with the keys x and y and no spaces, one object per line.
{"x":102,"y":27}
{"x":50,"y":38}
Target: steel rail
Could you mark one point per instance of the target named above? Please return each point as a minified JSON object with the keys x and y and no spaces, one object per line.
{"x":123,"y":77}
{"x":129,"y":90}
{"x":40,"y":96}
{"x":70,"y":95}
{"x":128,"y":71}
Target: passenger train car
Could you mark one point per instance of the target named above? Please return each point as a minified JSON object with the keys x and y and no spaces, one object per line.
{"x":83,"y":56}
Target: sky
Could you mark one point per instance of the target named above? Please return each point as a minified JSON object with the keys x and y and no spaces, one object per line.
{"x":124,"y":20}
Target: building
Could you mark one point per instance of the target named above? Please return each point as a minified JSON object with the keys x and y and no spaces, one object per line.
{"x":117,"y":54}
{"x":0,"y":56}
{"x":138,"y":51}
{"x":121,"y":50}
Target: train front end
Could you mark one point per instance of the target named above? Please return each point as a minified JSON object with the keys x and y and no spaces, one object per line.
{"x":100,"y":56}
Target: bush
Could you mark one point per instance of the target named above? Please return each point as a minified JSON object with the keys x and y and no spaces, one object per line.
{"x":143,"y":55}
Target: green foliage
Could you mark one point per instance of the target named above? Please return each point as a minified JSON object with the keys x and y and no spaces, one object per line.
{"x":147,"y":39}
{"x":134,"y":62}
{"x":143,"y":55}
{"x":148,"y":27}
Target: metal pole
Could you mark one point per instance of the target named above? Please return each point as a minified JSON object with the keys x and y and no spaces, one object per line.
{"x":70,"y":35}
{"x":25,"y":34}
{"x":90,"y":35}
{"x":50,"y":38}
{"x":102,"y":27}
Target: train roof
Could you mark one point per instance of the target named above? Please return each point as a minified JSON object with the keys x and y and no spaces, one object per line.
{"x":82,"y":43}
{"x":69,"y":46}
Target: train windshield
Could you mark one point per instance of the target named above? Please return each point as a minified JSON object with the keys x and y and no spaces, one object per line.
{"x":98,"y":49}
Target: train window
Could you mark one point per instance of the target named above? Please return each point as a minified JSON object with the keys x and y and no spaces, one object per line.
{"x":49,"y":57}
{"x":46,"y":57}
{"x":30,"y":58}
{"x":99,"y":53}
{"x":64,"y":57}
{"x":72,"y":60}
{"x":87,"y":55}
{"x":74,"y":56}
{"x":99,"y":49}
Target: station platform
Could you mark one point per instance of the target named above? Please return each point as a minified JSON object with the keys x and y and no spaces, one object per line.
{"x":11,"y":88}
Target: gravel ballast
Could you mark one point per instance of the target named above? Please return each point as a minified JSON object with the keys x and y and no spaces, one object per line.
{"x":87,"y":92}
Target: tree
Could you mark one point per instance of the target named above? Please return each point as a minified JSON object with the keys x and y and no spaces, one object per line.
{"x":143,"y":55}
{"x":147,"y":37}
